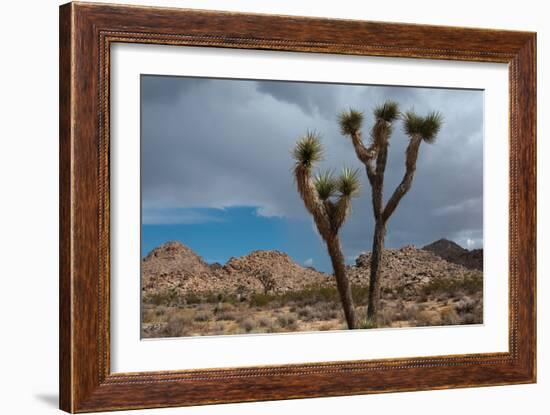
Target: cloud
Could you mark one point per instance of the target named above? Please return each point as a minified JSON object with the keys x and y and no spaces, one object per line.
{"x":214,"y":144}
{"x":156,"y":216}
{"x":308,"y":262}
{"x":473,"y":204}
{"x":308,"y":97}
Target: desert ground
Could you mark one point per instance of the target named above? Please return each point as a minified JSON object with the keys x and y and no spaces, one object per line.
{"x":267,"y":292}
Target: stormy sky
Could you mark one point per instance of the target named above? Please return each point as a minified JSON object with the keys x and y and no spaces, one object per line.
{"x":216,"y":166}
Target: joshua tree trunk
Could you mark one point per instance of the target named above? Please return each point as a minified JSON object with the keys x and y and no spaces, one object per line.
{"x":377,"y":184}
{"x":375,"y":268}
{"x":344,"y":287}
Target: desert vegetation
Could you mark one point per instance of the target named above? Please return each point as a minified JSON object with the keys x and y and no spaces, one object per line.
{"x":444,"y":301}
{"x":263,"y":292}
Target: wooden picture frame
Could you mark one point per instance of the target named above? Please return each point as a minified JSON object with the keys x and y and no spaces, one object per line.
{"x":86,"y":33}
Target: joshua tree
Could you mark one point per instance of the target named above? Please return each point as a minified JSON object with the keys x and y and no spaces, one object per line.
{"x":328,"y":200}
{"x":374,"y":157}
{"x":266,"y":279}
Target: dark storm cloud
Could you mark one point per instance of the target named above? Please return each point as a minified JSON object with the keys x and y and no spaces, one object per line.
{"x":311,"y":99}
{"x":218,"y":143}
{"x":165,"y":89}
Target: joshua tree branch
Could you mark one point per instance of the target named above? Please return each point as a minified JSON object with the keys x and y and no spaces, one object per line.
{"x":312,"y":202}
{"x":380,"y":135}
{"x":365,"y":154}
{"x":378,"y":184}
{"x":405,"y":185}
{"x":340,"y":212}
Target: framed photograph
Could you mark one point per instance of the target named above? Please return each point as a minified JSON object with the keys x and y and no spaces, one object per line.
{"x":258,"y":207}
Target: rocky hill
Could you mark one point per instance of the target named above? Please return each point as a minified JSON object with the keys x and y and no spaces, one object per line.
{"x":174,"y":266}
{"x":452,"y":252}
{"x":285,"y":273}
{"x":407,"y":269}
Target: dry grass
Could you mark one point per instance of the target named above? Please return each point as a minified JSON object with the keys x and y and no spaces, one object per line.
{"x":442,"y":302}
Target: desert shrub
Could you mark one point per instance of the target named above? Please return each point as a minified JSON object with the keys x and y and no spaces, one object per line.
{"x":469,"y":284}
{"x":442,"y":297}
{"x":366,"y":323}
{"x":386,"y":317}
{"x":425,"y":318}
{"x":202,"y":315}
{"x":248,"y":324}
{"x":465,"y":306}
{"x":305,"y":313}
{"x":192,"y":298}
{"x":360,"y":294}
{"x":160,"y":311}
{"x":261,"y":299}
{"x":410,"y":312}
{"x":265,"y":322}
{"x":148,"y":315}
{"x":287,"y":321}
{"x":423,"y":297}
{"x":308,"y":296}
{"x":223,"y":307}
{"x":226,"y":316}
{"x":167,"y":297}
{"x":449,"y":317}
{"x":327,"y":311}
{"x":178,"y":325}
{"x":469,"y":319}
{"x":173,"y":297}
{"x":311,"y":295}
{"x":321,"y":293}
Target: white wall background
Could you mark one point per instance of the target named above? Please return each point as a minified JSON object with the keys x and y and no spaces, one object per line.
{"x":29,"y":207}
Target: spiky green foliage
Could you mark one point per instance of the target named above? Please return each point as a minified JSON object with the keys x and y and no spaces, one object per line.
{"x":388,"y":111}
{"x":348,"y":182}
{"x":350,"y":121}
{"x":412,"y":123}
{"x":431,"y":126}
{"x":426,"y":127}
{"x":308,"y":150}
{"x":326,"y":185}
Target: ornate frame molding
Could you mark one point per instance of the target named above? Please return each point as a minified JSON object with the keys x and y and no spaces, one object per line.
{"x":86,"y":33}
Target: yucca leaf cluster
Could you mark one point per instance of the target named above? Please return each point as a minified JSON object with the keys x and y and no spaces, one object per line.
{"x":426,"y":127}
{"x":350,"y":122}
{"x":308,"y":150}
{"x":388,"y":111}
{"x":347,"y":184}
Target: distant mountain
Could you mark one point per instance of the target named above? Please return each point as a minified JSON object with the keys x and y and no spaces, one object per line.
{"x":452,"y":252}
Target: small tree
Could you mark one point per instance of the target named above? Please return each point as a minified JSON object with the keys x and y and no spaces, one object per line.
{"x":266,"y":279}
{"x":374,"y":158}
{"x":328,"y":200}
